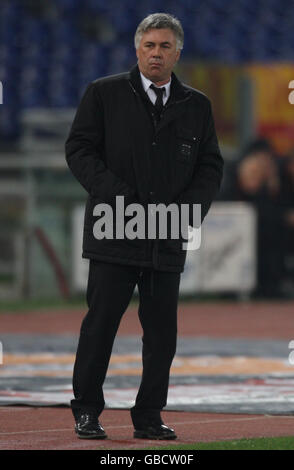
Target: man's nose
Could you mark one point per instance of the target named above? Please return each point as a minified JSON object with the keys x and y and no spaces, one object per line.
{"x":156,"y":51}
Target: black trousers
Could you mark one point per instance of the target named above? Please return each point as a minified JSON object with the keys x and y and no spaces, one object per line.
{"x":110,"y":289}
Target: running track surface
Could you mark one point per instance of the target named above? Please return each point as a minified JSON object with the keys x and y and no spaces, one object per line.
{"x":222,"y":319}
{"x":52,"y":429}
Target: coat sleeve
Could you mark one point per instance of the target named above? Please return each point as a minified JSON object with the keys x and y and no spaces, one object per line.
{"x":83,"y":150}
{"x":208,"y":171}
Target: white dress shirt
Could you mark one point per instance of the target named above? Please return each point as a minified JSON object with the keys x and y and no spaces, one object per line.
{"x":151,"y":93}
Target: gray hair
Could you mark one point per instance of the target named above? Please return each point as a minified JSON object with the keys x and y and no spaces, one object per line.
{"x":160,"y":21}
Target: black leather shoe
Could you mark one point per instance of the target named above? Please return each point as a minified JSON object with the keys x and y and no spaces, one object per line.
{"x":154,"y":431}
{"x":88,"y":427}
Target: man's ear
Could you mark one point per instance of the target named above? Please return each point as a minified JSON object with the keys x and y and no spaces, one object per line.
{"x":178,"y":53}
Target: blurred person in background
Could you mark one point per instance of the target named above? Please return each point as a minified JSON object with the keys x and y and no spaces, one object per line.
{"x":287,"y":202}
{"x":255,"y":178}
{"x":148,"y":137}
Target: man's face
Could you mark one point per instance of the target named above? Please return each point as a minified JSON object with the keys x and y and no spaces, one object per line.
{"x":157,"y":54}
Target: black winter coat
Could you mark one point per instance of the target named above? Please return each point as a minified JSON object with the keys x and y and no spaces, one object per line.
{"x":114,"y":149}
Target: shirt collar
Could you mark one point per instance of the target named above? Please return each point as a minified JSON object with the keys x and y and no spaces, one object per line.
{"x":146,"y":84}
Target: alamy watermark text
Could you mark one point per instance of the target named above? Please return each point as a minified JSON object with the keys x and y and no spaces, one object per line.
{"x":153,"y":221}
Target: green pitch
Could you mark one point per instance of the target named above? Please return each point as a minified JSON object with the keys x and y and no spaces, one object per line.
{"x":264,"y":443}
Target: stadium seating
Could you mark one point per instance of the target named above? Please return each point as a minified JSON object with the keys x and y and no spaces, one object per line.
{"x":49,"y":51}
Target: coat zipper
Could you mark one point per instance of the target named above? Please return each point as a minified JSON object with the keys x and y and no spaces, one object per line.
{"x":151,"y":250}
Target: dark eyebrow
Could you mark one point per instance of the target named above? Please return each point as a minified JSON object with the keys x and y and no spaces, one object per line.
{"x":162,"y":43}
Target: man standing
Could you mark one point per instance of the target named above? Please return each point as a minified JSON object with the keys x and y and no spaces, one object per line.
{"x":147,"y":137}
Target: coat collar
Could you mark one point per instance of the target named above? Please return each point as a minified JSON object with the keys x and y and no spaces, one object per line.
{"x":177,"y":92}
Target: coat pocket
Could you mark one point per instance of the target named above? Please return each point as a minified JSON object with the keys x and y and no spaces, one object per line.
{"x":187,"y":144}
{"x":89,"y":218}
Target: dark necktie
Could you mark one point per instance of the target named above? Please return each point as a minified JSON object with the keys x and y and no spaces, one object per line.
{"x":159,"y":102}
